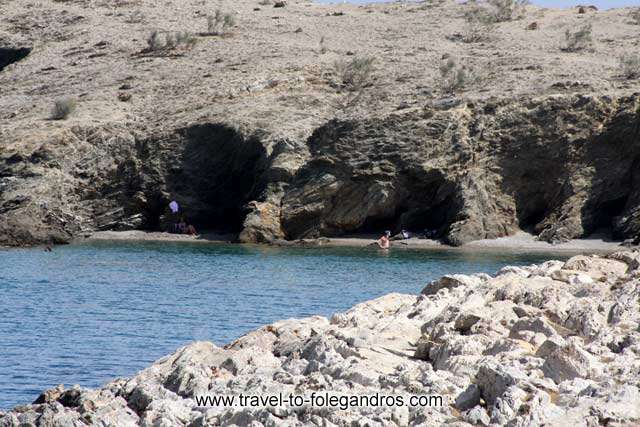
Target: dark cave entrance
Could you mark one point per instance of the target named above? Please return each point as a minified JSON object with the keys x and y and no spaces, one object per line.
{"x":377,"y":225}
{"x":218,"y":172}
{"x":427,"y":206}
{"x":529,"y":218}
{"x":9,"y":55}
{"x":605,"y":214}
{"x":433,"y":218}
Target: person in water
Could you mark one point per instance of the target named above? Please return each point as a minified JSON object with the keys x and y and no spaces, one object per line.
{"x":383,"y":241}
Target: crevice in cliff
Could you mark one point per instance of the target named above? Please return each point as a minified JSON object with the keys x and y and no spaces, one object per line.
{"x":9,"y":55}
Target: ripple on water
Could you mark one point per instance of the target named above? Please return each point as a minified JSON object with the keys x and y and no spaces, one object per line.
{"x":87,"y":314}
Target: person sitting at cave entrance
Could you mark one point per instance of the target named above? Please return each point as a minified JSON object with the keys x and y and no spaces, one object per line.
{"x":174,"y":207}
{"x":383,"y":242}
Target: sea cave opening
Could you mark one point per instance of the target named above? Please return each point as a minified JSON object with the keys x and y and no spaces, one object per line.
{"x":218,"y":171}
{"x":605,"y":214}
{"x":426,"y":208}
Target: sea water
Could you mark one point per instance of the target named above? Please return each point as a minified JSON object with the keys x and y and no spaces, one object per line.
{"x":88,"y":313}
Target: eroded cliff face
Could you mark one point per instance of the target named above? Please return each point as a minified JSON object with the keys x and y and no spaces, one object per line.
{"x":562,"y":167}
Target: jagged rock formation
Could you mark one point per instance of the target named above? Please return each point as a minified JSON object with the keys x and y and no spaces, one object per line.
{"x":257,"y":132}
{"x":562,"y":166}
{"x":554,"y":344}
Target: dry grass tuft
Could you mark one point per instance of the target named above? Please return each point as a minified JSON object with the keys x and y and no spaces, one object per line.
{"x":356,"y":73}
{"x":578,"y":40}
{"x":63,"y":108}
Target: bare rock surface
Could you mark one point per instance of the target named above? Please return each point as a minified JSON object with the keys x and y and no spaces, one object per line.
{"x":521,"y":348}
{"x":257,"y":131}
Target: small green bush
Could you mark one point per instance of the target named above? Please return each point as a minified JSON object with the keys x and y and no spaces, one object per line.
{"x":357,"y":73}
{"x":185,"y":39}
{"x":63,"y":108}
{"x":630,"y":66}
{"x":171,"y":41}
{"x":507,"y":10}
{"x":220,"y":23}
{"x":578,"y":40}
{"x":153,"y":42}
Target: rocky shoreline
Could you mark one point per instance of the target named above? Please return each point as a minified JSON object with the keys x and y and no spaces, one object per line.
{"x":554,"y":344}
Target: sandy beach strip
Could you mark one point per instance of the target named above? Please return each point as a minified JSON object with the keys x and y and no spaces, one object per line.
{"x":520,"y":242}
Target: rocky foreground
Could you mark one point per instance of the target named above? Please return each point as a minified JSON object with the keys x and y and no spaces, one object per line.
{"x":553,"y":344}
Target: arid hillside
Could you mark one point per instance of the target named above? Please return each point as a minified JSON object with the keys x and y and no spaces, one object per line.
{"x":307,"y":120}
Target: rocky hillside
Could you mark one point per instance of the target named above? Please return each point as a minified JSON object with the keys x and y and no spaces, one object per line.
{"x":309,"y":120}
{"x":555,"y":344}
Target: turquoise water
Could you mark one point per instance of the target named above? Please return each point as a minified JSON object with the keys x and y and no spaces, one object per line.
{"x":85,"y":314}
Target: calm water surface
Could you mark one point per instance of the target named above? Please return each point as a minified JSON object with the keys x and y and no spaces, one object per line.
{"x":85,"y":314}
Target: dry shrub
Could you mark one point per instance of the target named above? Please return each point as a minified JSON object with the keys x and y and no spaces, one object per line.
{"x":155,"y":42}
{"x":220,"y":23}
{"x":479,"y":25}
{"x":357,"y":73}
{"x":635,"y":16}
{"x":507,"y":10}
{"x":578,"y":40}
{"x":630,"y":66}
{"x":63,"y":108}
{"x":454,"y":76}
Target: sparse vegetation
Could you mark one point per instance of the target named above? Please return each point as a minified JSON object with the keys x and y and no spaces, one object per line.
{"x":453,"y":76}
{"x":356,"y":73}
{"x":579,"y":39}
{"x":323,"y":46}
{"x":185,"y":39}
{"x":135,"y":17}
{"x":507,"y":10}
{"x":63,"y":108}
{"x":171,"y":41}
{"x":481,"y":17}
{"x":635,"y":16}
{"x":220,"y":23}
{"x":479,"y":25}
{"x":630,"y":66}
{"x":153,"y":42}
{"x":493,"y":11}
